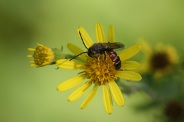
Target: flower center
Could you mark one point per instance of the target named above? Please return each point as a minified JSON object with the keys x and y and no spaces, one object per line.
{"x":43,"y":56}
{"x":174,"y":110}
{"x":100,"y":70}
{"x":160,"y":61}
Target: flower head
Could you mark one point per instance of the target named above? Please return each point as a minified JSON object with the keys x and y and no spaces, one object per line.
{"x":158,"y":60}
{"x":174,"y":111}
{"x":44,"y":55}
{"x":98,"y":71}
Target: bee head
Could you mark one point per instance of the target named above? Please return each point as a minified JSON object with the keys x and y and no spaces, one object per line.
{"x":91,"y":52}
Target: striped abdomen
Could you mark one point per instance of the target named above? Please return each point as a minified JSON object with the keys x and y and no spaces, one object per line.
{"x":115,"y":58}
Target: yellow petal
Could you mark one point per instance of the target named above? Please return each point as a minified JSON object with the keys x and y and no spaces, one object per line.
{"x":130,"y":52}
{"x":31,"y":49}
{"x":76,"y":50}
{"x":129,"y":75}
{"x":67,"y":64}
{"x":145,"y":67}
{"x":40,"y":45}
{"x":85,"y":37}
{"x":111,"y":36}
{"x":45,"y":63}
{"x":89,"y":97}
{"x":129,"y":65}
{"x":99,"y":33}
{"x":107,"y":99}
{"x":172,"y":53}
{"x":79,"y":92}
{"x":70,"y":83}
{"x":146,"y":48}
{"x":32,"y":61}
{"x":116,"y":93}
{"x":29,"y":56}
{"x":32,"y":65}
{"x":158,"y":74}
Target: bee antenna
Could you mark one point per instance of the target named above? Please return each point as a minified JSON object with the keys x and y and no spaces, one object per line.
{"x":82,"y":39}
{"x":77,"y":55}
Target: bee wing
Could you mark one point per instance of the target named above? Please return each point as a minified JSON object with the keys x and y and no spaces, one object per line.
{"x":115,"y":45}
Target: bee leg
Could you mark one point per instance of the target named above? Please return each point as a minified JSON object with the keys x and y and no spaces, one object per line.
{"x":82,"y":72}
{"x":121,"y":69}
{"x":98,"y":57}
{"x":105,"y":58}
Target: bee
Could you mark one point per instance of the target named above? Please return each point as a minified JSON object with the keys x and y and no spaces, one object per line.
{"x":101,"y":48}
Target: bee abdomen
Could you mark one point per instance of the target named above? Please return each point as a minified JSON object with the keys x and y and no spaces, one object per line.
{"x":115,"y":58}
{"x":117,"y":64}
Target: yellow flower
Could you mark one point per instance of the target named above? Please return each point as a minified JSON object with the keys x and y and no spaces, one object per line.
{"x":44,"y":55}
{"x":159,"y":59}
{"x":98,"y":71}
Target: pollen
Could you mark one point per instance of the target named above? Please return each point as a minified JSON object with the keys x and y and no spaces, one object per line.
{"x":100,"y":70}
{"x":42,"y":56}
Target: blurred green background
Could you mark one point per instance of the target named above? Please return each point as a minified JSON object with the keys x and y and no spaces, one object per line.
{"x":29,"y":94}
